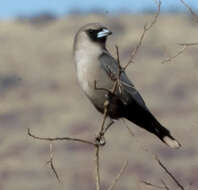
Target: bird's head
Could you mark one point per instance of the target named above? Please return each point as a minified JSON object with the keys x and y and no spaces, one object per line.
{"x":93,"y":34}
{"x":97,"y":33}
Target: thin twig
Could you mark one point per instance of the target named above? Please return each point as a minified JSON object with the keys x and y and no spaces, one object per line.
{"x":190,"y":10}
{"x":97,"y":167}
{"x":99,"y":88}
{"x":184,"y":46}
{"x":106,"y":104}
{"x":60,"y":139}
{"x":188,"y":44}
{"x":117,"y":178}
{"x":118,"y":83}
{"x":164,"y":184}
{"x":169,"y":173}
{"x":152,"y":185}
{"x":108,"y":126}
{"x":169,"y":59}
{"x":51,"y":163}
{"x":146,"y":29}
{"x":117,"y":53}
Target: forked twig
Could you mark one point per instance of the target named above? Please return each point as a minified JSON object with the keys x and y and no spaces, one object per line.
{"x":146,"y":29}
{"x":51,"y":163}
{"x":100,"y":88}
{"x":184,"y":46}
{"x":190,"y":10}
{"x":169,"y":59}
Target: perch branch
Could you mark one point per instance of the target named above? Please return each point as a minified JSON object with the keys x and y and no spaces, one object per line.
{"x":97,"y":167}
{"x":108,"y":126}
{"x":60,"y":139}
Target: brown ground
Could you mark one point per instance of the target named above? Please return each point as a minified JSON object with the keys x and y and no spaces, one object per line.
{"x":39,"y":90}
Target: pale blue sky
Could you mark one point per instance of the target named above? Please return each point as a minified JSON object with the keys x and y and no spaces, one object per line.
{"x":11,"y":8}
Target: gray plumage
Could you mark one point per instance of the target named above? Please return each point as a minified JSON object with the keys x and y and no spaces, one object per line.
{"x":95,"y":63}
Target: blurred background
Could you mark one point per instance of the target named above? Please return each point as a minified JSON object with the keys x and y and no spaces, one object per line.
{"x":39,"y":90}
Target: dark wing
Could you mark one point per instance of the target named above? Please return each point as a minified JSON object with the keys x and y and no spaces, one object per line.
{"x":128,"y":91}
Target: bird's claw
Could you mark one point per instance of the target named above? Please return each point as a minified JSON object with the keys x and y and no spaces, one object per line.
{"x":100,"y":140}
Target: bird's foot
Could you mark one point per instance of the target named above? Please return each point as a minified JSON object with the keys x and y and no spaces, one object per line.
{"x":100,"y":139}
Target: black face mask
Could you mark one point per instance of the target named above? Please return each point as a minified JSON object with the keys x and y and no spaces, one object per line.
{"x":99,"y":35}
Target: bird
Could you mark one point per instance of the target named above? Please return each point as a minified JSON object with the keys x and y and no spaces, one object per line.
{"x":95,"y":65}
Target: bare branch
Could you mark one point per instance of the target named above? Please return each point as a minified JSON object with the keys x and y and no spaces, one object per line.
{"x":97,"y":167}
{"x":99,"y":88}
{"x":106,"y":104}
{"x":169,"y":173}
{"x":120,"y":70}
{"x":188,"y":44}
{"x":195,"y":16}
{"x":152,"y":185}
{"x":60,"y":139}
{"x":51,"y":163}
{"x":108,"y":126}
{"x":146,"y":29}
{"x":117,"y":53}
{"x":169,"y":59}
{"x":117,"y":178}
{"x":184,"y":46}
{"x":100,"y":140}
{"x":158,"y":2}
{"x":164,"y":184}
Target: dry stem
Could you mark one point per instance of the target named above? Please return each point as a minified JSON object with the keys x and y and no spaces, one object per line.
{"x":164,"y":184}
{"x":146,"y":29}
{"x":51,"y":163}
{"x":195,"y":16}
{"x":97,"y":167}
{"x":152,"y":185}
{"x":169,"y":59}
{"x":169,"y":173}
{"x":117,"y":178}
{"x":184,"y":46}
{"x":60,"y":139}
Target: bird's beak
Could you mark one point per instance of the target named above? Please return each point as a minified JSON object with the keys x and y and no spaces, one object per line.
{"x":103,"y":33}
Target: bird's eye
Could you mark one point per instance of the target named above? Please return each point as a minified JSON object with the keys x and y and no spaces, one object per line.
{"x":91,"y":31}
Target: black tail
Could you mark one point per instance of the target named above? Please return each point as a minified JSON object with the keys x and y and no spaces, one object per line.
{"x":142,"y":117}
